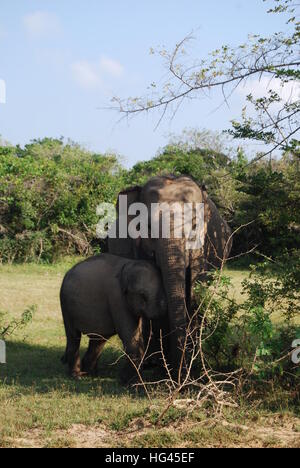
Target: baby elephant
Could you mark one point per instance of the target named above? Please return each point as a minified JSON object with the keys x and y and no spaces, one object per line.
{"x":107,"y":295}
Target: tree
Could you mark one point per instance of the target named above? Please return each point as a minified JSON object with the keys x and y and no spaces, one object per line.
{"x":192,"y":139}
{"x":49,"y":192}
{"x":274,"y":58}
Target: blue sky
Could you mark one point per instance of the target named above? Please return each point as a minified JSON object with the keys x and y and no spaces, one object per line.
{"x":63,"y":60}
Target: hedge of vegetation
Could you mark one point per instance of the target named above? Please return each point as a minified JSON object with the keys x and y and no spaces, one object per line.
{"x":48,"y":197}
{"x":49,"y":192}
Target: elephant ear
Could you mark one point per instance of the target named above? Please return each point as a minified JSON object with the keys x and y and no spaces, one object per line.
{"x":133,"y":195}
{"x":218,"y":241}
{"x":127,"y":276}
{"x":119,"y":246}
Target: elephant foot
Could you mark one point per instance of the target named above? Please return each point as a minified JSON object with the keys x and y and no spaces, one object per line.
{"x":78,"y":375}
{"x":90,"y":370}
{"x":93,"y":373}
{"x":129,"y":376}
{"x":151,"y":363}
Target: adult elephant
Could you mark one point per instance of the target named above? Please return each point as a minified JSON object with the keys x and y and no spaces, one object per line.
{"x":180,"y":265}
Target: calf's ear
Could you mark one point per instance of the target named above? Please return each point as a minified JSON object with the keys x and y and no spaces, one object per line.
{"x":128,"y":276}
{"x":123,"y":277}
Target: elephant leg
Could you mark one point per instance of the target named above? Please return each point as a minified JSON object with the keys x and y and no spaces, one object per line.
{"x":154,"y":343}
{"x":147,"y":330}
{"x":188,"y":290}
{"x":89,"y":362}
{"x":151,"y":341}
{"x":134,"y":348}
{"x":72,"y":356}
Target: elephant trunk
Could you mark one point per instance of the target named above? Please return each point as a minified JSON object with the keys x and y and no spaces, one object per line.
{"x":171,"y":255}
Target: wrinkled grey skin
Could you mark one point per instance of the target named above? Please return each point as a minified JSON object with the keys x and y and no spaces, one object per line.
{"x":180,"y":267}
{"x":107,"y":295}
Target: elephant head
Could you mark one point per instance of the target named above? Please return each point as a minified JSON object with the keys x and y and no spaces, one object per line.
{"x":142,"y":288}
{"x":179,"y":264}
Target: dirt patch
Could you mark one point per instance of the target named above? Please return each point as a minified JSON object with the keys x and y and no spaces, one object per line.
{"x":85,"y":437}
{"x":30,"y":439}
{"x":268,"y":432}
{"x":77,"y":436}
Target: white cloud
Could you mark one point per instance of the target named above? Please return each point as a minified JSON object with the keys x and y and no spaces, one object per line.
{"x":290,"y":92}
{"x":85,"y":74}
{"x":112,"y":67}
{"x":41,"y":23}
{"x":93,"y":74}
{"x":2,"y":92}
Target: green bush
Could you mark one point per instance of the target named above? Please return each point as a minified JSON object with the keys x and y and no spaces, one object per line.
{"x":257,"y":333}
{"x":263,"y":197}
{"x":49,"y":192}
{"x":48,"y":197}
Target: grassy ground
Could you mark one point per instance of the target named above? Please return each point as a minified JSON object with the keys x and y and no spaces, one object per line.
{"x":41,"y":407}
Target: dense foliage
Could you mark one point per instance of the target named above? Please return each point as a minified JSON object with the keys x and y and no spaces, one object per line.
{"x":265,"y":197}
{"x":49,"y":192}
{"x":256,"y":332}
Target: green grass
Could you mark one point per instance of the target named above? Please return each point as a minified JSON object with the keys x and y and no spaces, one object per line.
{"x":41,"y":406}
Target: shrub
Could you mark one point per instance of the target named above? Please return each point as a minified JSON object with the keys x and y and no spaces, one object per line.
{"x":257,"y":333}
{"x":9,"y":328}
{"x":48,"y":197}
{"x":49,"y":192}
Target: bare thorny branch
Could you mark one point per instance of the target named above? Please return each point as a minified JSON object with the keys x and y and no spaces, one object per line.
{"x":209,"y":384}
{"x":276,"y":57}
